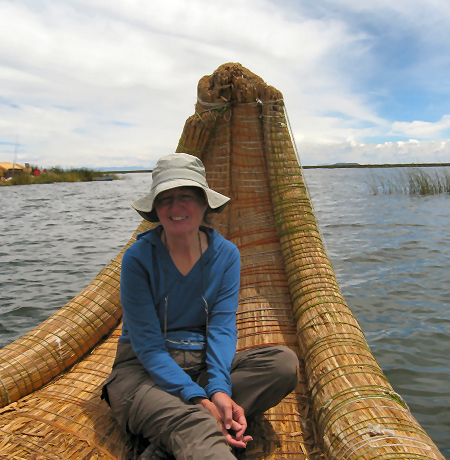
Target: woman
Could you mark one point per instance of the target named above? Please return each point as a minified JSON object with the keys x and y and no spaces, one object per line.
{"x":177,"y":379}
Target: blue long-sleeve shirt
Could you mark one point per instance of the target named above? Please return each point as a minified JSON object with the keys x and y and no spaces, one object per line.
{"x":148,"y":275}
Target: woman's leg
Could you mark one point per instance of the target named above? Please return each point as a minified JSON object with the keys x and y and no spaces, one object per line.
{"x":186,"y":431}
{"x":141,"y":407}
{"x":262,"y":376}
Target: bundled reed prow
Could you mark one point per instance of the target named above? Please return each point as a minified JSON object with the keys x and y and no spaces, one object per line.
{"x":343,"y":407}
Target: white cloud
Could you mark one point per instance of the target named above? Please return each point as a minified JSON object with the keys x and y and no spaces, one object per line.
{"x":422,"y":129}
{"x":323,"y":130}
{"x":93,"y":82}
{"x":139,"y":63}
{"x":400,"y":152}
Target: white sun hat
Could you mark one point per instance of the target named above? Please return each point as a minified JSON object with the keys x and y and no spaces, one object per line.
{"x":178,"y":170}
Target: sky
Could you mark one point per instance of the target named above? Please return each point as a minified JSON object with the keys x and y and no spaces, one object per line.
{"x":110,"y":83}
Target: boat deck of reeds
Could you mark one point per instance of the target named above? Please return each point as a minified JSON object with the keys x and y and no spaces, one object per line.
{"x":343,"y":408}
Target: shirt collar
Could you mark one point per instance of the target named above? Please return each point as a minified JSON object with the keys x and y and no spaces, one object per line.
{"x":154,"y":237}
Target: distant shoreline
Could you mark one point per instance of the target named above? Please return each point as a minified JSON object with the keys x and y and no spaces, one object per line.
{"x":394,"y":165}
{"x":335,"y":166}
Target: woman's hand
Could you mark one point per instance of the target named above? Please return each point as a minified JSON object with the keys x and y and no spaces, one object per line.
{"x":229,"y":416}
{"x":231,"y":413}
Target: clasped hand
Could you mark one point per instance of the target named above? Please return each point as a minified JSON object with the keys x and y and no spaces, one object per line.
{"x":230,"y":418}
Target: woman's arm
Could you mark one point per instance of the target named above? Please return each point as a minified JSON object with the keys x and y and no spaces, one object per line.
{"x":222,"y":334}
{"x":220,"y":351}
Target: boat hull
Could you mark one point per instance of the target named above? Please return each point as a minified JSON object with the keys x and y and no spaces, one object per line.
{"x":343,"y":407}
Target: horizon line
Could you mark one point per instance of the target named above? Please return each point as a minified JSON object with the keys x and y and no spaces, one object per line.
{"x":333,"y":166}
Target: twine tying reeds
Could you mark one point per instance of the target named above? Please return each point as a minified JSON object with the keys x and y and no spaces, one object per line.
{"x":343,"y":407}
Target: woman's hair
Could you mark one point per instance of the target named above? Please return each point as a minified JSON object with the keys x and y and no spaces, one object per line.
{"x":199,"y":193}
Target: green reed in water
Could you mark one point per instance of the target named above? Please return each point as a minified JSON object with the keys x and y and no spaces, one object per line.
{"x":57,"y":174}
{"x":410,"y":181}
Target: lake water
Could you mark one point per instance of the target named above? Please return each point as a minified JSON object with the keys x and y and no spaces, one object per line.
{"x":391,"y":255}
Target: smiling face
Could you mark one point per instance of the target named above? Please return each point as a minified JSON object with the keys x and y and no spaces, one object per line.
{"x":180,"y":210}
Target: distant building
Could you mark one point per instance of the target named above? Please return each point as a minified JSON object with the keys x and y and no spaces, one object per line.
{"x":6,"y":169}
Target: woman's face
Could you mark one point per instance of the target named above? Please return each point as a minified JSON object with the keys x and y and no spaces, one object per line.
{"x":180,"y":210}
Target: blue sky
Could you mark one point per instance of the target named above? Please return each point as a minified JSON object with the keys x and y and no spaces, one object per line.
{"x":110,"y":83}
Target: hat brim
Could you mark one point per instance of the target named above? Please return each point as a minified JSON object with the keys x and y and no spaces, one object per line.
{"x":144,"y":205}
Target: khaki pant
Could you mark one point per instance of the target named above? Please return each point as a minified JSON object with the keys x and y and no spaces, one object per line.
{"x":261,"y":377}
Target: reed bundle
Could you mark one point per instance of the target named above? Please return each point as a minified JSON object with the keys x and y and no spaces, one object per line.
{"x":33,"y":360}
{"x":343,"y":407}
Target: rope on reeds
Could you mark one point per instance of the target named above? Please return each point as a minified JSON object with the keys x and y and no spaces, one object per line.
{"x":297,"y":154}
{"x":70,"y":418}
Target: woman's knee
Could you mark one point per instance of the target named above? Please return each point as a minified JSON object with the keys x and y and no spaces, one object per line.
{"x":163,"y":419}
{"x":286,"y":367}
{"x":274,"y":362}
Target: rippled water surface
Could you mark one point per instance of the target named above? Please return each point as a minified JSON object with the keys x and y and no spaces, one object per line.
{"x":391,"y":255}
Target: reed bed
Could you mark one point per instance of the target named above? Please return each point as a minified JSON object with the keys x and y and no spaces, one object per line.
{"x":343,"y":407}
{"x":56,"y":174}
{"x":413,"y":181}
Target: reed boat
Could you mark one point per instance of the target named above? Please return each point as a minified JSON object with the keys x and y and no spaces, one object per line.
{"x":343,"y":408}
